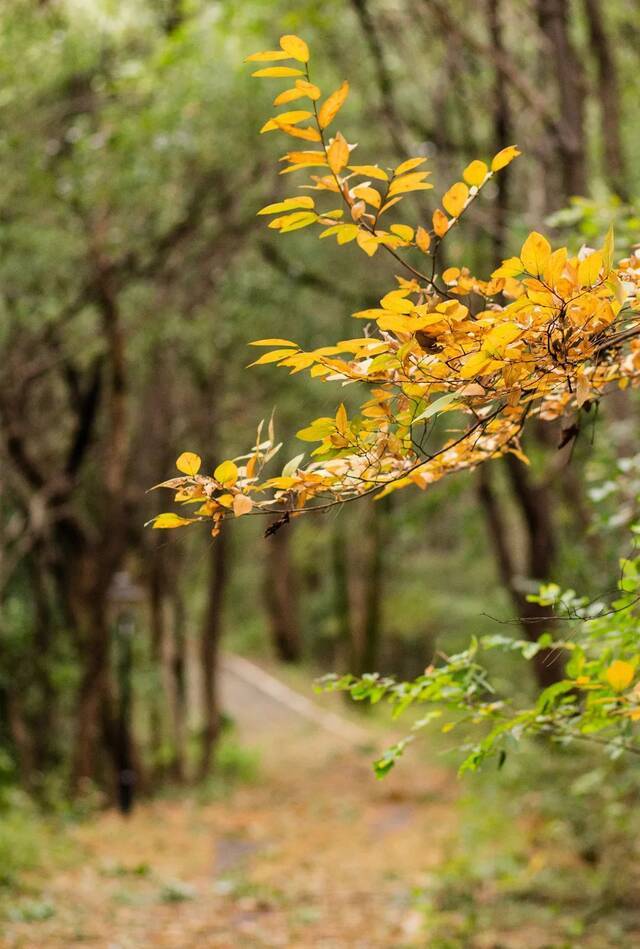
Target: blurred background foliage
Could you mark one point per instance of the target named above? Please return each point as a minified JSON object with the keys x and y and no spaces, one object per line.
{"x":133,"y":272}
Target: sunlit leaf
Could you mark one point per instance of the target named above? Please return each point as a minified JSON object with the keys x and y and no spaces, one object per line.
{"x":268,"y":56}
{"x":289,"y":204}
{"x":277,"y":72}
{"x":475,"y":173}
{"x":295,"y":47}
{"x":408,"y":165}
{"x":535,"y":253}
{"x":170,"y":520}
{"x":332,"y":105}
{"x":226,"y":474}
{"x":455,"y":199}
{"x":504,"y":157}
{"x":189,"y":463}
{"x":338,"y":154}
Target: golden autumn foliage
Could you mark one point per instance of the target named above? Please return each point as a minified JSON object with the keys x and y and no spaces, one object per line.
{"x":546,"y":334}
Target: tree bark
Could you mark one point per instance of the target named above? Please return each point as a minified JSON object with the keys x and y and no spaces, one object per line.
{"x":534,"y":619}
{"x":501,"y":134}
{"x":158,"y":611}
{"x":209,"y":649}
{"x":553,"y":17}
{"x":179,"y":685}
{"x":369,"y":586}
{"x":608,"y":98}
{"x":281,"y":596}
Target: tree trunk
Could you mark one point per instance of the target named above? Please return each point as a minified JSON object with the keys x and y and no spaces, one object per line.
{"x":501,"y":135}
{"x":281,"y":596}
{"x":179,"y":690}
{"x":370,"y":589}
{"x":553,"y":16}
{"x":608,"y":98}
{"x":157,"y":610}
{"x":89,"y":703}
{"x":209,"y":649}
{"x":534,"y":619}
{"x":341,"y":599}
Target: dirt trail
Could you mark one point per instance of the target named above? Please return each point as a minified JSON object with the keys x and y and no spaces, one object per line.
{"x":314,"y":853}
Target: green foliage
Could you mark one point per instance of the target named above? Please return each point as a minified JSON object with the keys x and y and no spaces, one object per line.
{"x":598,"y":700}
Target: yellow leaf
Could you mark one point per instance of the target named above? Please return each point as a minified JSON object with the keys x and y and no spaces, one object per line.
{"x":226,"y":474}
{"x":295,"y":47}
{"x":455,"y":199}
{"x":274,"y":356}
{"x":306,"y":158}
{"x":293,"y":222}
{"x":501,"y":336}
{"x":619,"y":675}
{"x":289,"y":204}
{"x":338,"y":154}
{"x":403,"y":231}
{"x":285,"y":118}
{"x":269,"y":55}
{"x":277,"y":72}
{"x":367,"y":242}
{"x":370,"y":195}
{"x":308,"y":133}
{"x":413,"y":182}
{"x":341,"y":419}
{"x":423,"y":240}
{"x":509,"y":268}
{"x":475,"y":173}
{"x":397,"y":301}
{"x":189,"y":463}
{"x":289,"y":95}
{"x":332,"y":105}
{"x":242,"y":505}
{"x":589,"y":269}
{"x":504,"y":157}
{"x":169,"y":520}
{"x":535,"y":254}
{"x":280,"y":484}
{"x":309,"y":89}
{"x":440,"y":223}
{"x":371,"y":171}
{"x":474,"y":364}
{"x":451,"y":274}
{"x":344,"y":232}
{"x":273,"y":342}
{"x":408,"y":165}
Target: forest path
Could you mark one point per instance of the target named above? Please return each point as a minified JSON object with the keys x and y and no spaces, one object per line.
{"x":312,"y":853}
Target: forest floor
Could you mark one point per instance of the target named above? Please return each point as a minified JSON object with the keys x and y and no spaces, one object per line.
{"x":311,"y":851}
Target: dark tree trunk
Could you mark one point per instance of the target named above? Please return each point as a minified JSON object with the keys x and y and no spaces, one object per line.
{"x":608,"y":98}
{"x":341,"y":600}
{"x":501,"y":135}
{"x":209,"y":649}
{"x":533,"y":504}
{"x":369,"y":589}
{"x":157,"y":610}
{"x":565,"y":65}
{"x":179,"y":686}
{"x":91,"y":693}
{"x":281,"y":596}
